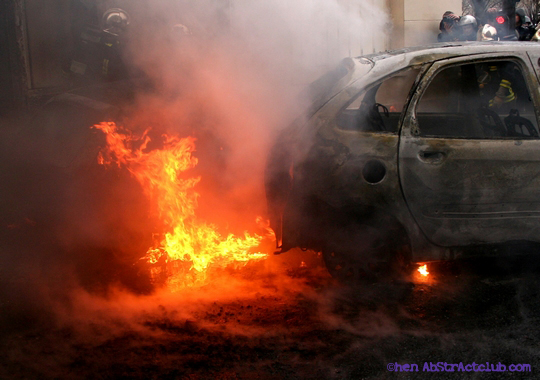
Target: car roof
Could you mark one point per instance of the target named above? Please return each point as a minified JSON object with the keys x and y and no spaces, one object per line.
{"x":433,"y":52}
{"x":381,"y":64}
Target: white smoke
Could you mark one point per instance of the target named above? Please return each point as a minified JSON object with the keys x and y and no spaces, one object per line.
{"x":299,"y":40}
{"x":235,"y":76}
{"x":238,"y":71}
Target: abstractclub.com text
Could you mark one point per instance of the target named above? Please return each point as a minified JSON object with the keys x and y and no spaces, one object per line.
{"x":458,"y":367}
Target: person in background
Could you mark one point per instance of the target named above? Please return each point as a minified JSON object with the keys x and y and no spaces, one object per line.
{"x":489,"y":31}
{"x":525,"y":33}
{"x":448,"y":27}
{"x":468,"y":28}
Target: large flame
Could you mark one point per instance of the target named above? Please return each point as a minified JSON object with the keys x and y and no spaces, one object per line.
{"x":188,"y":243}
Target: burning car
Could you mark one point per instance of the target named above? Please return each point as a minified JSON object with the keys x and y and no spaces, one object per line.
{"x":412,"y":155}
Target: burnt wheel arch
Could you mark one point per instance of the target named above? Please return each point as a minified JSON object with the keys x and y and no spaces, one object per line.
{"x":368,"y":250}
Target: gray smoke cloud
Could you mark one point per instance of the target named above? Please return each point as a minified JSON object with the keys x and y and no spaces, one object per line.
{"x":233,"y":82}
{"x":229,"y":73}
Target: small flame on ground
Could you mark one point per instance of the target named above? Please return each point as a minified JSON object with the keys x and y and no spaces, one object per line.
{"x":190,"y":246}
{"x":423,"y":270}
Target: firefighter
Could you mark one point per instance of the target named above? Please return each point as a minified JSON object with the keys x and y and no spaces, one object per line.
{"x":489,"y":30}
{"x":448,"y":27}
{"x":525,"y":33}
{"x":99,"y":46}
{"x":497,"y":87}
{"x":468,"y":28}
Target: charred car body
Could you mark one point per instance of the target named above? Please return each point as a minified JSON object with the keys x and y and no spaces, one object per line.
{"x":414,"y":154}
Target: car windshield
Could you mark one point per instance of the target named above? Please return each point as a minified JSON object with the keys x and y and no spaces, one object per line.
{"x":323,"y":89}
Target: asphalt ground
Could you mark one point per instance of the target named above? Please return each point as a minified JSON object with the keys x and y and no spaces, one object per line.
{"x":69,"y":309}
{"x":294,"y":322}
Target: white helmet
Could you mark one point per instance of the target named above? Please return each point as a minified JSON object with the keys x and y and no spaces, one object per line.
{"x":468,"y":20}
{"x":115,"y":19}
{"x":489,"y":33}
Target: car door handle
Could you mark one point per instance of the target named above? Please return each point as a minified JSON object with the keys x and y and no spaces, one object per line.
{"x":431,"y":157}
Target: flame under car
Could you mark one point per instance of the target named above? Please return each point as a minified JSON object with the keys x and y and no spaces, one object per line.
{"x":421,"y":154}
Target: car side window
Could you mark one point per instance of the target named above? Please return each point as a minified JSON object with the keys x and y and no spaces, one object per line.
{"x":378,"y":109}
{"x":487,"y":100}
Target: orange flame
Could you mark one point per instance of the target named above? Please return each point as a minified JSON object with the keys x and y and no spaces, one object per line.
{"x":423,"y":270}
{"x":161,"y":175}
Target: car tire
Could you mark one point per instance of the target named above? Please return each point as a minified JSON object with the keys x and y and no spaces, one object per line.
{"x":368,"y":253}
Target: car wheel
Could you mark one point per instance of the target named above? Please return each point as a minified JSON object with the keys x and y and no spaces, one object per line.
{"x":368,"y":253}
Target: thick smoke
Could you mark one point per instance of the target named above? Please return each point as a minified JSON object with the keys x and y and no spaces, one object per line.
{"x":230,"y":74}
{"x":232,"y":80}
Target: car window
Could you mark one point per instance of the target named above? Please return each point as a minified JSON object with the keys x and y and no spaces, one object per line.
{"x":378,"y":109}
{"x":478,"y":101}
{"x":325,"y":87}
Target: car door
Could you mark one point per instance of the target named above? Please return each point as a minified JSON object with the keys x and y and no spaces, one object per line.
{"x":469,"y":156}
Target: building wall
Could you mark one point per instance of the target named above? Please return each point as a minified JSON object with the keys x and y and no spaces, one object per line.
{"x":416,"y":22}
{"x":48,"y":41}
{"x":11,"y":91}
{"x":406,"y":23}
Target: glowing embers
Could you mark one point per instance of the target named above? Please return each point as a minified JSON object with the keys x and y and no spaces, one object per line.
{"x":187,"y":248}
{"x":423,"y":270}
{"x":422,"y":275}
